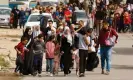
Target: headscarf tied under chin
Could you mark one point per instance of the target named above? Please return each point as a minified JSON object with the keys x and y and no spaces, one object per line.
{"x":67,"y":34}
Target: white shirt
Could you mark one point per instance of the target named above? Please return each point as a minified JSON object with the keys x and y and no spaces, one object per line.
{"x":92,"y":44}
{"x":82,"y":44}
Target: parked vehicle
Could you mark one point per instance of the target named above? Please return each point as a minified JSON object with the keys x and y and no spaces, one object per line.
{"x":5,"y":16}
{"x":34,"y":19}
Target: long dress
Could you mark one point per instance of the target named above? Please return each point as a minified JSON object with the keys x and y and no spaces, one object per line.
{"x":28,"y":59}
{"x":67,"y":56}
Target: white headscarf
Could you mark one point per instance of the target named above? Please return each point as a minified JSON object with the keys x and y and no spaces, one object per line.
{"x":68,"y":35}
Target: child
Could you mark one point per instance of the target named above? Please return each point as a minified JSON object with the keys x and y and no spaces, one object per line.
{"x":75,"y":52}
{"x":20,"y":48}
{"x":56,"y":58}
{"x":38,"y":50}
{"x":50,"y":50}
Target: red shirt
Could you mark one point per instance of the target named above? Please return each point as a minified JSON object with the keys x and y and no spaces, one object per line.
{"x":66,"y":13}
{"x":104,"y":35}
{"x":127,"y":20}
{"x":20,"y":47}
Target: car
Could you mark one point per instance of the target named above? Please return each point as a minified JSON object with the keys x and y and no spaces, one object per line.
{"x":48,"y":2}
{"x":81,"y":15}
{"x":34,"y":19}
{"x":5,"y":16}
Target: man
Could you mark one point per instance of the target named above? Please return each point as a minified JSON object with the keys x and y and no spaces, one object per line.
{"x":105,"y":49}
{"x":68,"y":15}
{"x":22,"y":18}
{"x":50,"y":30}
{"x":83,"y":48}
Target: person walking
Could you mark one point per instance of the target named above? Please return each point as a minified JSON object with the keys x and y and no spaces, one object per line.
{"x":83,"y":50}
{"x":22,"y":18}
{"x":106,"y":44}
{"x":38,"y":50}
{"x":65,"y":50}
{"x":20,"y":55}
{"x":15,"y":11}
{"x":50,"y":51}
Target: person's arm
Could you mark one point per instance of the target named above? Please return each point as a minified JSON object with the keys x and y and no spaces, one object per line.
{"x":16,"y":48}
{"x":115,"y":34}
{"x":86,"y":40}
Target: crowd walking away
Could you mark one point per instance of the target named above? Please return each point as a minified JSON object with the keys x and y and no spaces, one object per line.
{"x":73,"y":44}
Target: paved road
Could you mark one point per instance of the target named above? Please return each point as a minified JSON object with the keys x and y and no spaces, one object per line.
{"x":122,"y":65}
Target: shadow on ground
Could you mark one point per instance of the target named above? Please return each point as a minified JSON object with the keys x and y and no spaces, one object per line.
{"x":122,"y":67}
{"x":123,"y":51}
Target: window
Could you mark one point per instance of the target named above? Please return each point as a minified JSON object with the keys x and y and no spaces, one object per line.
{"x":36,"y":18}
{"x":5,"y":12}
{"x":81,"y":15}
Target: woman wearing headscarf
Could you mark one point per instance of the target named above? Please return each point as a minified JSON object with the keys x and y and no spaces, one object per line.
{"x":65,"y":49}
{"x":36,"y":31}
{"x":15,"y":11}
{"x":28,"y":60}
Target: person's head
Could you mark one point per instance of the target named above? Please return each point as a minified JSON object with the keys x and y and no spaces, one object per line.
{"x":37,"y":28}
{"x":60,"y":9}
{"x":24,"y":40}
{"x":22,"y":9}
{"x":41,"y":37}
{"x":66,"y":31}
{"x":51,"y":38}
{"x":81,"y":23}
{"x":72,"y":27}
{"x":105,"y":25}
{"x":50,"y":23}
{"x":15,"y":7}
{"x":28,"y":31}
{"x":89,"y":31}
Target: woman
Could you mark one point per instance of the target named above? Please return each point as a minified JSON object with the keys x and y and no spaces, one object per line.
{"x":65,"y":49}
{"x":15,"y":11}
{"x":28,"y":60}
{"x":106,"y":33}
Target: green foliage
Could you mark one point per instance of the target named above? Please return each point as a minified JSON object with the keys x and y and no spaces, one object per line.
{"x":3,"y":63}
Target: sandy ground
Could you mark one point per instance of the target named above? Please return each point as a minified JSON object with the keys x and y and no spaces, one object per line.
{"x":8,"y":39}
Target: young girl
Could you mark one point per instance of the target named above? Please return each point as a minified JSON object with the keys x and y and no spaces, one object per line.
{"x":50,"y":50}
{"x":75,"y":52}
{"x":56,"y":58}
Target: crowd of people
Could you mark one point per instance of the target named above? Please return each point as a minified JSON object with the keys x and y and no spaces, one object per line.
{"x":72,"y":42}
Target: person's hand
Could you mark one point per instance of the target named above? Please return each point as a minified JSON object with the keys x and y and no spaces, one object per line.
{"x":19,"y":52}
{"x":116,"y":41}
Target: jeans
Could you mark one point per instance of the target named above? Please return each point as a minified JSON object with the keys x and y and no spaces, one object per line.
{"x":38,"y":63}
{"x":106,"y":53}
{"x":49,"y":65}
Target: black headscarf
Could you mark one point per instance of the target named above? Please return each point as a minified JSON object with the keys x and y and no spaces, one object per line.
{"x":26,"y":33}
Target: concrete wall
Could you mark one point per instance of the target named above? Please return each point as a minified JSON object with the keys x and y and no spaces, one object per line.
{"x":4,"y":3}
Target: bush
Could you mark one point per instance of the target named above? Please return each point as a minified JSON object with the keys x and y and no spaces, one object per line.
{"x":3,"y":62}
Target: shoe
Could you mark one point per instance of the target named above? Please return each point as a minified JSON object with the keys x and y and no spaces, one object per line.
{"x":77,"y":73}
{"x":102,"y":72}
{"x":39,"y":75}
{"x":21,"y":74}
{"x":107,"y":73}
{"x":81,"y":75}
{"x":47,"y":73}
{"x":65,"y":75}
{"x":51,"y":75}
{"x":35,"y":73}
{"x":69,"y":72}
